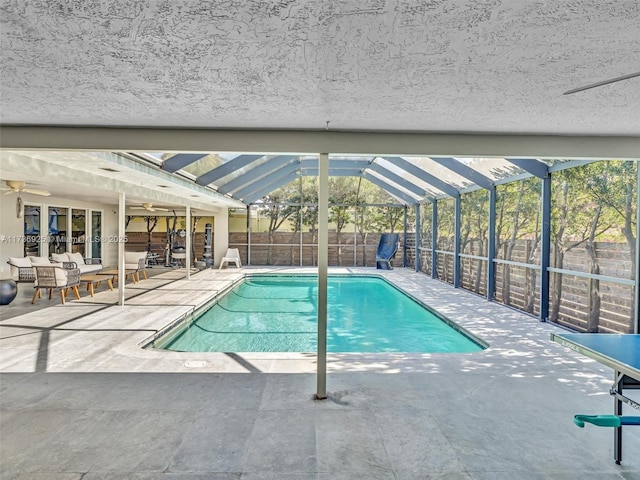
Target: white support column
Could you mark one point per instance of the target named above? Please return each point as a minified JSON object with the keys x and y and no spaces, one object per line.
{"x":88,"y":228}
{"x":69,"y":228}
{"x":121,"y":244}
{"x":43,"y":249}
{"x":187,"y":258}
{"x":220,"y":234}
{"x":323,"y":260}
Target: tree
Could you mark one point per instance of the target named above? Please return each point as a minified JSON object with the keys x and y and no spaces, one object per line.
{"x":309,"y":212}
{"x":473,"y":230}
{"x":151,"y":224}
{"x":192,"y":232}
{"x":279,"y":208}
{"x":368,"y":218}
{"x":446,"y":237}
{"x":392,"y":217}
{"x":426,"y":235}
{"x":518,"y":203}
{"x":342,"y":195}
{"x":610,"y":190}
{"x":613,"y":185}
{"x":577,"y":220}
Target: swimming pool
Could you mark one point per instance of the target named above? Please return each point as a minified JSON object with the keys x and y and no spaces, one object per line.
{"x":278,"y":314}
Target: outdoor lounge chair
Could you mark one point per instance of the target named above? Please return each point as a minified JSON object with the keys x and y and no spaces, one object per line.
{"x":136,"y":263}
{"x":232,"y":256}
{"x":387,"y":249}
{"x":53,"y":277}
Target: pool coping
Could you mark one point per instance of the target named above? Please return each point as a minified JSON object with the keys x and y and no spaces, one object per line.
{"x":108,"y":340}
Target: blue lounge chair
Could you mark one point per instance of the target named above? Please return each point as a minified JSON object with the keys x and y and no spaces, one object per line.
{"x":387,"y":249}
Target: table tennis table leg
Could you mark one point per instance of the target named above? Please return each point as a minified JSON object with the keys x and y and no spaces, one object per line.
{"x":617,"y":410}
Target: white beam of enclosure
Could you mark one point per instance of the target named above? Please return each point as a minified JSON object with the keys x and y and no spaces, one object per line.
{"x":305,"y":141}
{"x":187,"y":258}
{"x":323,"y":262}
{"x":121,"y":236}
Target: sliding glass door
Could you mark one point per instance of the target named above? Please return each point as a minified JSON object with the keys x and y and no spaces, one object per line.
{"x":96,"y":234}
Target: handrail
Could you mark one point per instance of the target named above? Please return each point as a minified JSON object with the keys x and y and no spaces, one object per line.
{"x":594,"y":276}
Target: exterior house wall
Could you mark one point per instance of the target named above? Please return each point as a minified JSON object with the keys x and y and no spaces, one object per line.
{"x":12,"y":228}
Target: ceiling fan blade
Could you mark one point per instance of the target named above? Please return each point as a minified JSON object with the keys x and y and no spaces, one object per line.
{"x":161,"y":209}
{"x":43,"y":193}
{"x":137,"y":208}
{"x":604,"y":82}
{"x":8,"y":192}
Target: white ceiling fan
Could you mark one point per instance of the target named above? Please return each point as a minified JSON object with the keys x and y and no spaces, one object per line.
{"x":18,"y":186}
{"x":149,"y":208}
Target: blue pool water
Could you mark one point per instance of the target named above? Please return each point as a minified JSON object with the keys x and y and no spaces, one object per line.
{"x":278,"y":314}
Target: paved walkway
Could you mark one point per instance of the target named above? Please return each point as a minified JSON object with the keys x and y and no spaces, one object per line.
{"x":79,"y":398}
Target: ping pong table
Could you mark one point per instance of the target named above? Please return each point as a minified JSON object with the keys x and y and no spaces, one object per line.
{"x":622,"y":354}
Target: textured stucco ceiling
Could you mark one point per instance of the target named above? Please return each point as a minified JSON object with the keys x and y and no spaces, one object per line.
{"x":496,"y":66}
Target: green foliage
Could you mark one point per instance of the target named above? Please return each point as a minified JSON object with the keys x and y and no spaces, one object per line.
{"x":297,"y":201}
{"x":426,"y":225}
{"x":579,"y":192}
{"x":518,"y":208}
{"x":474,"y":212}
{"x":446,"y":224}
{"x":342,"y":195}
{"x":594,"y":202}
{"x":279,"y":208}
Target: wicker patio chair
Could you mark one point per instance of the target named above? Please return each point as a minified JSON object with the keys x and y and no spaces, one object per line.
{"x":52,"y":278}
{"x":21,"y":269}
{"x":136,"y":262}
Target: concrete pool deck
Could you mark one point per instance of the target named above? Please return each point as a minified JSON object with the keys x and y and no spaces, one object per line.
{"x":79,"y":398}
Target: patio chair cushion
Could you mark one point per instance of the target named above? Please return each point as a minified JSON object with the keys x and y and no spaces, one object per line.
{"x":36,"y":261}
{"x":76,"y":257}
{"x":19,"y":262}
{"x":59,"y":257}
